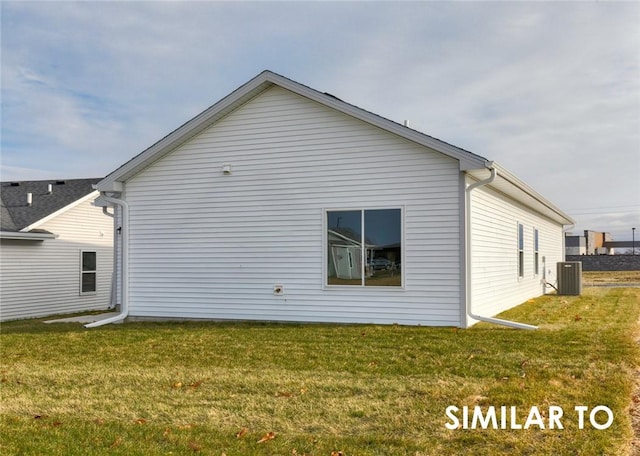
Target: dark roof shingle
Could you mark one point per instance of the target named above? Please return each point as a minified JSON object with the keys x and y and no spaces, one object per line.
{"x":16,"y":214}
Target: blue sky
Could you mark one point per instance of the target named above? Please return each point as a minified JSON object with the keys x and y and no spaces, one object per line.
{"x":550,"y":91}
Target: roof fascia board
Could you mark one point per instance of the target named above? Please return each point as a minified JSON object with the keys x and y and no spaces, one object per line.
{"x":43,"y":220}
{"x":264,"y":80}
{"x":17,"y":235}
{"x":185,"y":132}
{"x":467,"y":159}
{"x":515,"y":181}
{"x":504,"y":175}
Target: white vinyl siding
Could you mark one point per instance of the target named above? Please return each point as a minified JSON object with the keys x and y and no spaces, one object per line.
{"x":496,"y":285}
{"x":43,"y":278}
{"x":208,"y":245}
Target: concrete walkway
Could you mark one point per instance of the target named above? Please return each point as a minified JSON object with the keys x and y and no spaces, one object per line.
{"x":84,"y":318}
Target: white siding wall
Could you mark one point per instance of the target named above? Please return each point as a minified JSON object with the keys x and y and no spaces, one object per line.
{"x":206,"y":245}
{"x":494,"y":227}
{"x":43,"y":278}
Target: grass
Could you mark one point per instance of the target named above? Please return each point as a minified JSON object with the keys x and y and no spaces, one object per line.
{"x":610,"y":277}
{"x":219,"y":388}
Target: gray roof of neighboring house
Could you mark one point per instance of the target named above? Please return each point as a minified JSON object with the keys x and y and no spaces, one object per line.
{"x":16,"y":214}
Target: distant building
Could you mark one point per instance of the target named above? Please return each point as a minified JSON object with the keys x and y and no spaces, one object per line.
{"x":589,"y":243}
{"x":575,"y":245}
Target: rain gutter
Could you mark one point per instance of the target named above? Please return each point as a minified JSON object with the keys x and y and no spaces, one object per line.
{"x":469,"y":308}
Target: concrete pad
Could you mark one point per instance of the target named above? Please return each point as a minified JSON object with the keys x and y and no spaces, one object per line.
{"x":84,"y":318}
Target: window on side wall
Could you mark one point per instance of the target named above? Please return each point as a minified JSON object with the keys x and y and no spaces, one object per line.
{"x":536,"y":251}
{"x":364,"y":247}
{"x":520,"y":250}
{"x":88,"y":272}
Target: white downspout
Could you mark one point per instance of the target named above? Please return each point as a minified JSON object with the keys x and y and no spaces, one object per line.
{"x":112,"y":294}
{"x":469,"y":294}
{"x":124,"y":309}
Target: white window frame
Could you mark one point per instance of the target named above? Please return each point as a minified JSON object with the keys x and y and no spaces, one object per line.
{"x":83,"y":272}
{"x":520,"y":248}
{"x":536,"y":252}
{"x":325,"y":242}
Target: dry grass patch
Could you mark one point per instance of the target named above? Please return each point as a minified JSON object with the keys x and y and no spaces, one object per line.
{"x":591,"y":278}
{"x":214,"y":388}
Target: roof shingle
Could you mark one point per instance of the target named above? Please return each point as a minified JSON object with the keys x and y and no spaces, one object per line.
{"x":16,"y":214}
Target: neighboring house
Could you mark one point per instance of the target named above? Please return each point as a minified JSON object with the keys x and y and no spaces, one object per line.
{"x":56,"y":249}
{"x":257,"y":209}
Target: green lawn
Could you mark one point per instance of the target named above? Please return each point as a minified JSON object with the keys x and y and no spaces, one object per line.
{"x":219,"y":388}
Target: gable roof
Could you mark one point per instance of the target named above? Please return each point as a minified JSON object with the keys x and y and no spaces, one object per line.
{"x":17,"y":215}
{"x":473,"y":164}
{"x":251,"y":89}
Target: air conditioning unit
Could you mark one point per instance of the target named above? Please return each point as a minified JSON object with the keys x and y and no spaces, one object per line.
{"x":569,"y":275}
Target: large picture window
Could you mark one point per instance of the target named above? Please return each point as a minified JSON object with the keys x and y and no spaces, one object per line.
{"x":88,"y":268}
{"x":364,"y":247}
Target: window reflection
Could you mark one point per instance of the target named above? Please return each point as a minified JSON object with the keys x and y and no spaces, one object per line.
{"x":344,"y":240}
{"x":371,"y":256}
{"x":383,"y":232}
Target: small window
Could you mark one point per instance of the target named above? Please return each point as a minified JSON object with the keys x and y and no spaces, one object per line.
{"x":520,"y":250}
{"x":364,"y":247}
{"x":536,"y":252}
{"x":88,"y":267}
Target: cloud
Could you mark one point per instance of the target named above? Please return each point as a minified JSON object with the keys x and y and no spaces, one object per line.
{"x":535,"y":86}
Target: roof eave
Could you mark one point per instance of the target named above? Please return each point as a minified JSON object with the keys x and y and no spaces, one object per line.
{"x":266,"y":79}
{"x":564,"y":218}
{"x":21,"y":236}
{"x":523,"y":193}
{"x":467,"y":159}
{"x":43,"y":220}
{"x":113,"y":182}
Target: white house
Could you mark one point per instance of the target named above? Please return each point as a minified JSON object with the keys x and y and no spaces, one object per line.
{"x":56,"y":249}
{"x":237,"y":215}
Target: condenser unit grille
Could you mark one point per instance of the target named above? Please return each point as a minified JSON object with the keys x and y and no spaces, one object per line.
{"x":570,"y":278}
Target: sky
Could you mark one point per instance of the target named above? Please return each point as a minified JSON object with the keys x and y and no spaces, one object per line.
{"x":551,"y":91}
